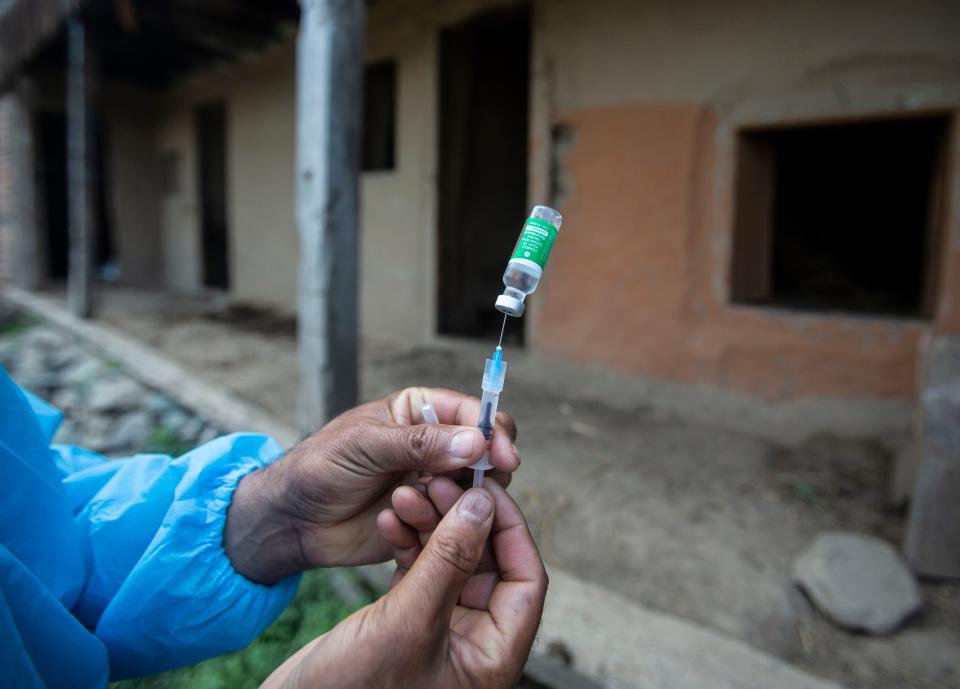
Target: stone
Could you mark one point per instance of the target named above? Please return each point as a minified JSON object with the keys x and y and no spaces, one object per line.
{"x":158,"y":404}
{"x":9,"y":352}
{"x":66,"y":399}
{"x":174,"y":419}
{"x":40,"y":383}
{"x":95,"y":433}
{"x":190,"y":431}
{"x":858,"y":581}
{"x":31,"y":362}
{"x":207,"y":434}
{"x":63,"y":357}
{"x":43,"y":339}
{"x":131,"y":432}
{"x":115,"y":394}
{"x":69,"y":434}
{"x":82,"y":371}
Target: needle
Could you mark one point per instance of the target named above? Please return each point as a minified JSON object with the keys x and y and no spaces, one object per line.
{"x":503,"y":329}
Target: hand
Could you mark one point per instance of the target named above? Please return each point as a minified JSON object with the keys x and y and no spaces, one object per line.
{"x":407,"y":527}
{"x":426,"y":632}
{"x":318,"y":505}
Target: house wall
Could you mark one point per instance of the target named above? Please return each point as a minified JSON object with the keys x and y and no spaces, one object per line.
{"x":179,"y":206}
{"x":261,"y":114}
{"x":649,"y":175}
{"x":134,"y":185}
{"x":650,"y":97}
{"x":398,"y":209}
{"x":259,"y":100}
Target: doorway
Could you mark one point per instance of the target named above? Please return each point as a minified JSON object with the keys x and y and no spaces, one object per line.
{"x":210,"y":127}
{"x":51,"y":161}
{"x":484,"y":87}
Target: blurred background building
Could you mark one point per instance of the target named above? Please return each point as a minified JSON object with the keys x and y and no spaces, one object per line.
{"x":761,"y":209}
{"x":756,"y":195}
{"x":760,"y":197}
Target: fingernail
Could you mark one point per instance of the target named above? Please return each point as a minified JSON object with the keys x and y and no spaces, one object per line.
{"x":476,"y":506}
{"x":516,"y":453}
{"x":461,"y":445}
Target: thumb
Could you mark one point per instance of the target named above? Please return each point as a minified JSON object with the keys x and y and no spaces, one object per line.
{"x":434,"y":583}
{"x":425,"y":447}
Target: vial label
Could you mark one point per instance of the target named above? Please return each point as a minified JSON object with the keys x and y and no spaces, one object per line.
{"x":536,"y":241}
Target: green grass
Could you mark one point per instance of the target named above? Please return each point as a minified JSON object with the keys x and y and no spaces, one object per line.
{"x":17,"y":324}
{"x":164,"y":441}
{"x":314,"y":611}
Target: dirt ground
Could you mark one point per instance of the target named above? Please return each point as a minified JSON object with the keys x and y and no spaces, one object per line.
{"x":686,"y":517}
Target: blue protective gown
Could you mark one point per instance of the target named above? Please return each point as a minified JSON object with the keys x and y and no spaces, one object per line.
{"x":115,"y":568}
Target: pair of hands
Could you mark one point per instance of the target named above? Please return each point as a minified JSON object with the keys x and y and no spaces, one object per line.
{"x":461,"y":611}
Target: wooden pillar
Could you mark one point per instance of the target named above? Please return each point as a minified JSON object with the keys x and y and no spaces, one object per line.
{"x":80,"y":172}
{"x":933,"y":531}
{"x":24,"y":267}
{"x":329,"y":80}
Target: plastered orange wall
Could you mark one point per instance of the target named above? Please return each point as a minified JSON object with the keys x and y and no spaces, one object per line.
{"x":638,"y":277}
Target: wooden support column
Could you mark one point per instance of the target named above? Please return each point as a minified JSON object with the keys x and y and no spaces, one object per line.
{"x":329,"y":80}
{"x":25,"y":264}
{"x":80,"y":172}
{"x":933,"y":531}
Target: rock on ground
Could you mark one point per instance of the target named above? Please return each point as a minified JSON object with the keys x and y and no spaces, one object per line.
{"x":191,"y":429}
{"x":858,"y":581}
{"x":82,"y":371}
{"x":115,"y":394}
{"x":131,"y":432}
{"x":208,"y":434}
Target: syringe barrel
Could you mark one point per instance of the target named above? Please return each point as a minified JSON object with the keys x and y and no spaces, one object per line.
{"x":494,"y":375}
{"x":486,"y":423}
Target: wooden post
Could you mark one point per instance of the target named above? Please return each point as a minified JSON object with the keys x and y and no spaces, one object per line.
{"x":24,"y":268}
{"x":79,"y":172}
{"x":329,"y":80}
{"x":933,"y":531}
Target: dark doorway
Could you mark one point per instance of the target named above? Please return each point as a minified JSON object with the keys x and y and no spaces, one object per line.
{"x":52,"y":178}
{"x":210,"y":123}
{"x":482,"y":187}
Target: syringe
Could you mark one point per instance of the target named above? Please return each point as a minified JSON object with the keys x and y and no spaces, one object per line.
{"x":494,"y":373}
{"x":520,"y":279}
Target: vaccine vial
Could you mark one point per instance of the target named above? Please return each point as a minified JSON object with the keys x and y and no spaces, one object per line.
{"x":529,"y":259}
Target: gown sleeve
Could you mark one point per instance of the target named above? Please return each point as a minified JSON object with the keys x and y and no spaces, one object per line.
{"x":160,"y":591}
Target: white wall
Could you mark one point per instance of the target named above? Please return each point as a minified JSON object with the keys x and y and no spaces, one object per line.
{"x":398,"y":240}
{"x":134,"y":186}
{"x":261,"y":126}
{"x":258,"y":97}
{"x":179,"y":207}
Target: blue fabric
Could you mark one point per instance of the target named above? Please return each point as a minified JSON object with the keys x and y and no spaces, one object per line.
{"x":115,"y":568}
